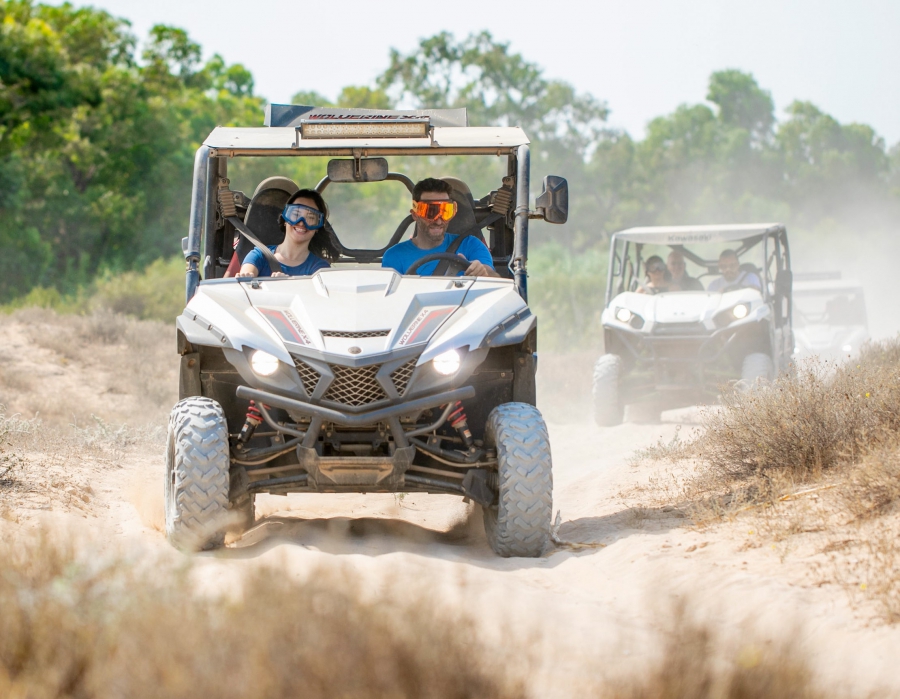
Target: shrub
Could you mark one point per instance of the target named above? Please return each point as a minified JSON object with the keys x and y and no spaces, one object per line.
{"x":808,"y":422}
{"x":566,"y":292}
{"x":91,"y":625}
{"x":156,"y":293}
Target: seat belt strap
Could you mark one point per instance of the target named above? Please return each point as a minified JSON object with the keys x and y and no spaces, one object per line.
{"x":274,"y":264}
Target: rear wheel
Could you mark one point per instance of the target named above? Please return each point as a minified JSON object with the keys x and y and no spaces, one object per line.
{"x":608,"y":408}
{"x":197,"y":475}
{"x":756,"y":367}
{"x":519,"y":524}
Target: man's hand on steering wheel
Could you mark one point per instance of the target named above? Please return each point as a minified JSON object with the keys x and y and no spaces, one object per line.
{"x":479,"y":269}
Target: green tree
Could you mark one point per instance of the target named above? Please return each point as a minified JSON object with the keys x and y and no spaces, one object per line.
{"x":742,"y":104}
{"x":96,"y":148}
{"x":496,"y":86}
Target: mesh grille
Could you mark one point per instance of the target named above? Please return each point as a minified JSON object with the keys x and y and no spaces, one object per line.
{"x":402,"y":375}
{"x":363,"y":333}
{"x":355,"y":385}
{"x":309,"y":376}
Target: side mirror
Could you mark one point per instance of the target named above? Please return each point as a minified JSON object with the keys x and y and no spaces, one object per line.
{"x":358,"y":170}
{"x":553,"y":203}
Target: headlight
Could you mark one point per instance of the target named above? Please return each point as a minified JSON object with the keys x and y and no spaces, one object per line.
{"x":623,"y":315}
{"x":740,"y":311}
{"x":263,"y":363}
{"x":447,"y":363}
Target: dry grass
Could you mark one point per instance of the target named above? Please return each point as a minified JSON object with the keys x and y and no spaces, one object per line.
{"x":87,"y":625}
{"x":696,"y":665}
{"x":815,"y":453}
{"x":126,"y":368}
{"x":46,"y":469}
{"x":807,"y":423}
{"x":78,"y":623}
{"x":800,"y":426}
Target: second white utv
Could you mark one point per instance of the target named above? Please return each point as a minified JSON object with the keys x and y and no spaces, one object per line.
{"x":675,"y":344}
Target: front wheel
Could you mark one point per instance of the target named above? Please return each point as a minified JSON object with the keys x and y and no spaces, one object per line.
{"x":606,"y":390}
{"x":519,"y":523}
{"x":757,"y":367}
{"x":197,"y":475}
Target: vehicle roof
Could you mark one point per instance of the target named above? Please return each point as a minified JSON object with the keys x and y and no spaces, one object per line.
{"x":273,"y":140}
{"x":678,"y":235}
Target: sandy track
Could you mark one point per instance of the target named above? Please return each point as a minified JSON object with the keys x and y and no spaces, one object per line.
{"x":580,"y":612}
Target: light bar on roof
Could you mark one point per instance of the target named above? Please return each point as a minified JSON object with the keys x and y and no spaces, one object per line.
{"x":384,"y":127}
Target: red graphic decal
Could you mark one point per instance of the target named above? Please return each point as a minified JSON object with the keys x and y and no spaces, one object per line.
{"x":286,"y":325}
{"x":425,"y":324}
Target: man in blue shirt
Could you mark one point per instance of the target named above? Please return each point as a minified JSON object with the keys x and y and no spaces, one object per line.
{"x":433,"y":209}
{"x":733,"y":277}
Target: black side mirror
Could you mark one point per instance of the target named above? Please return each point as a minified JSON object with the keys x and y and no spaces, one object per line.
{"x":553,"y":203}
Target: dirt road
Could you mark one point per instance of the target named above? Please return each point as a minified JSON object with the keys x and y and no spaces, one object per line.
{"x":580,"y":611}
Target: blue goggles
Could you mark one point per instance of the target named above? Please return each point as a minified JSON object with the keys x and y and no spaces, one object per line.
{"x":294,"y":213}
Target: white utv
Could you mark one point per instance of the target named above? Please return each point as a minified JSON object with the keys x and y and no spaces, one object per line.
{"x":358,"y":379}
{"x":675,"y":348}
{"x":830,"y":320}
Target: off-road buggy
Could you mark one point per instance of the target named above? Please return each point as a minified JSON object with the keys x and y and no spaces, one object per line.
{"x":358,"y":379}
{"x":830,"y":319}
{"x":677,"y":348}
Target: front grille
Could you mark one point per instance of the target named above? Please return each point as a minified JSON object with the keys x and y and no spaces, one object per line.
{"x":309,"y":376}
{"x":355,"y":385}
{"x":680,"y":329}
{"x":362,"y":333}
{"x":402,"y":374}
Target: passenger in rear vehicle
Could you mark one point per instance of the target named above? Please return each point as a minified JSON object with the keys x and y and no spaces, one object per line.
{"x":306,"y":248}
{"x":680,"y":279}
{"x":733,"y":277}
{"x":656,"y":277}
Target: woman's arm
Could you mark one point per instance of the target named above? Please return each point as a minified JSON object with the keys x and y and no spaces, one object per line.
{"x":248,"y":270}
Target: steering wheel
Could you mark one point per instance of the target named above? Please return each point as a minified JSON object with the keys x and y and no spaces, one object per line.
{"x":456,"y":261}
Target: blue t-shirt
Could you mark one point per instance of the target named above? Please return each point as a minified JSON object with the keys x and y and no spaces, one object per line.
{"x":402,"y":255}
{"x":310,"y":265}
{"x":746,"y":280}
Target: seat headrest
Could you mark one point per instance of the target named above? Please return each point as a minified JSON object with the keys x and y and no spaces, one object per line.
{"x":465,"y":214}
{"x":285,"y":184}
{"x":262,"y":215}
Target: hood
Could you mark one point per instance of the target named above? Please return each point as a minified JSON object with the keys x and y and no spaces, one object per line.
{"x":829,"y":339}
{"x":683,"y":307}
{"x":352,"y":314}
{"x":687,"y":307}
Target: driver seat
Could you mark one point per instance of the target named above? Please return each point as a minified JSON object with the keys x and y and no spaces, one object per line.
{"x":465,"y":214}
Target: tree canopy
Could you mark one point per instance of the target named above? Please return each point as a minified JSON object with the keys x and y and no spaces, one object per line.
{"x":97,"y":143}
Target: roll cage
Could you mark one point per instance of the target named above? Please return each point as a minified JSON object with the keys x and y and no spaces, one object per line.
{"x":626,"y":256}
{"x":290,"y":131}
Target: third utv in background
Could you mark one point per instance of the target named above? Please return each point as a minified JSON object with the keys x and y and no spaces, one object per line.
{"x":677,"y":348}
{"x":830,"y":319}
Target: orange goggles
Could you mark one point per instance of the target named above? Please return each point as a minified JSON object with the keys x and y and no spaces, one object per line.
{"x":433,"y":210}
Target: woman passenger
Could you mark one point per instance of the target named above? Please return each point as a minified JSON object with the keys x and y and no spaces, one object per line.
{"x":306,"y":248}
{"x":657,"y":274}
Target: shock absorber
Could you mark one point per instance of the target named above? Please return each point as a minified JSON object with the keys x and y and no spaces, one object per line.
{"x":253,"y":420}
{"x":460,"y":423}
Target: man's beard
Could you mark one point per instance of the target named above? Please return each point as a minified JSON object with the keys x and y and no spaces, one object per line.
{"x":422,"y":231}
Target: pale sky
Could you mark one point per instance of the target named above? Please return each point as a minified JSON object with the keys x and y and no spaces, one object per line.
{"x":643,"y":57}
